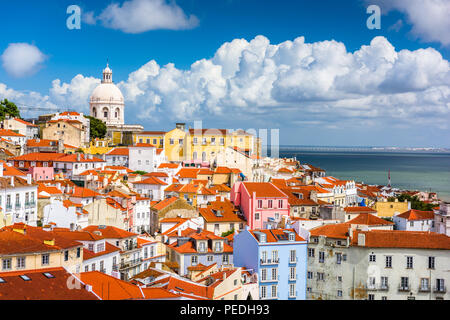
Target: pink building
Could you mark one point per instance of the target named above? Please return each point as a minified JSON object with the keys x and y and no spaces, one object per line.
{"x":41,"y":173}
{"x":259,"y":201}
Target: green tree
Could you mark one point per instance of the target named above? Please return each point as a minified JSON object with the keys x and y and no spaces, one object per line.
{"x":416,"y":204}
{"x":224,"y":234}
{"x":8,"y":108}
{"x":97,"y":128}
{"x":140,"y":172}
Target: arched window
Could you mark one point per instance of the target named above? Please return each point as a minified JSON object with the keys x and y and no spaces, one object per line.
{"x":117,"y":112}
{"x":203,"y":156}
{"x":94,"y":111}
{"x":194,"y":155}
{"x":105,"y":112}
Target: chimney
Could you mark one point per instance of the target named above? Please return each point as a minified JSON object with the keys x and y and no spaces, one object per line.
{"x":12,"y":182}
{"x":224,"y":275}
{"x":29,"y":178}
{"x":179,"y":232}
{"x":78,"y":157}
{"x":1,"y":169}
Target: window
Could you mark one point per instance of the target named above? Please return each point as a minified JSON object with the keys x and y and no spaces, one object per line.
{"x":6,"y":265}
{"x":339,"y":293}
{"x":171,"y":141}
{"x":424,"y":284}
{"x":270,"y":203}
{"x":93,"y":267}
{"x":431,"y":263}
{"x":409,"y":262}
{"x":102,"y":265}
{"x":372,"y":258}
{"x":440,"y":287}
{"x":388,"y":261}
{"x":194,"y":260}
{"x":339,"y":278}
{"x":292,"y":256}
{"x":274,"y":274}
{"x":292,"y":273}
{"x":259,"y":204}
{"x":263,"y":274}
{"x":66,"y":255}
{"x":225,"y":259}
{"x":309,"y":289}
{"x":201,"y":246}
{"x":275,"y":255}
{"x":371,"y":297}
{"x":338,"y":258}
{"x":274,"y":291}
{"x":311,"y":252}
{"x":404,"y":283}
{"x":280,"y":204}
{"x":292,"y":290}
{"x":384,"y":282}
{"x":45,"y":259}
{"x":310,"y":275}
{"x":263,"y":292}
{"x":383,"y":298}
{"x":321,"y":256}
{"x":256,"y":215}
{"x":86,"y":268}
{"x":277,"y":216}
{"x":320,"y":276}
{"x":20,"y":262}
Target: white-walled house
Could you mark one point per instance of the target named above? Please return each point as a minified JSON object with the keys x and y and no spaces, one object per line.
{"x":142,"y":157}
{"x":442,"y":218}
{"x":118,"y":157}
{"x":151,"y":187}
{"x":345,"y":263}
{"x":75,"y":164}
{"x":65,"y":214}
{"x":18,"y":199}
{"x":27,"y":129}
{"x":141,"y":215}
{"x":415,"y":220}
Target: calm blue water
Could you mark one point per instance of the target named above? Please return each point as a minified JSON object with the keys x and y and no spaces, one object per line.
{"x":409,"y":170}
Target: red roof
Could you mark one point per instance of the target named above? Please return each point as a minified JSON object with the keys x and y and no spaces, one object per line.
{"x":271,"y":234}
{"x":74,"y":157}
{"x":359,"y":210}
{"x":110,"y":232}
{"x":109,"y":248}
{"x":164,"y":203}
{"x":264,"y":190}
{"x":41,"y":287}
{"x":25,"y":122}
{"x":110,"y":288}
{"x":80,"y":192}
{"x":151,"y":180}
{"x":417,"y":215}
{"x":369,"y":220}
{"x":119,"y":152}
{"x":10,"y":133}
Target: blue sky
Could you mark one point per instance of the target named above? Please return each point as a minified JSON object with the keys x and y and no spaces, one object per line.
{"x":402,"y":100}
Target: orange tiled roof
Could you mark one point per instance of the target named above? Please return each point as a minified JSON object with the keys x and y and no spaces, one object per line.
{"x":41,"y":287}
{"x":187,"y":173}
{"x":164,"y":203}
{"x":83,"y":158}
{"x":359,"y":210}
{"x":264,"y":190}
{"x":369,"y":220}
{"x":168,"y":165}
{"x":271,"y":234}
{"x":80,"y":192}
{"x":39,"y":156}
{"x":110,"y":232}
{"x":25,"y":122}
{"x":412,"y":214}
{"x":151,"y":180}
{"x":10,"y":133}
{"x":403,"y":239}
{"x":220,"y":211}
{"x":119,"y":152}
{"x":10,"y":171}
{"x":109,"y":248}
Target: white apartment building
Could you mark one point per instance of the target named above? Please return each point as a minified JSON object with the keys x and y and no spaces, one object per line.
{"x":142,"y":157}
{"x":18,"y":199}
{"x":415,"y":220}
{"x":27,"y":129}
{"x":442,"y":219}
{"x":377,"y":265}
{"x":141,"y":215}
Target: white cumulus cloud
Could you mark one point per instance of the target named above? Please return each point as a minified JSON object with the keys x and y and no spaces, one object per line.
{"x":22,"y":59}
{"x":137,"y":16}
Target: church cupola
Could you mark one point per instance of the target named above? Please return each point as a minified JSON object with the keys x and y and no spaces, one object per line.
{"x":107,"y":74}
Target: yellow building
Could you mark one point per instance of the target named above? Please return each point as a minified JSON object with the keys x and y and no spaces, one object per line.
{"x":98,"y":146}
{"x":49,"y":250}
{"x":174,"y":141}
{"x":204,"y":144}
{"x":389,"y":209}
{"x":72,"y":132}
{"x":155,"y":138}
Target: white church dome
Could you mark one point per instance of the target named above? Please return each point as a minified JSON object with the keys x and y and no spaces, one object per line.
{"x":107,"y":92}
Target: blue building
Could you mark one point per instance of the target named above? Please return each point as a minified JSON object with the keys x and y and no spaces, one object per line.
{"x":278,"y":256}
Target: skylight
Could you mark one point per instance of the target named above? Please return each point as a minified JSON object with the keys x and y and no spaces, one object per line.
{"x":2,"y":280}
{"x":48,"y":275}
{"x":25,"y":278}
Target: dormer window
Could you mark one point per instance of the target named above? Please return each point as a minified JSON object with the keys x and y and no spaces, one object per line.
{"x":262,"y":237}
{"x":218,"y":246}
{"x":201,"y":247}
{"x":291,"y":236}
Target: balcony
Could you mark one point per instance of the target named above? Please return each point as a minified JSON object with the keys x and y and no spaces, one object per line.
{"x":269,"y":261}
{"x":115,"y":267}
{"x":8,"y":207}
{"x":403,"y":288}
{"x":441,"y":289}
{"x":293,"y":261}
{"x":131,"y":263}
{"x":379,"y":287}
{"x":424,"y":289}
{"x":102,"y":270}
{"x":17,"y":206}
